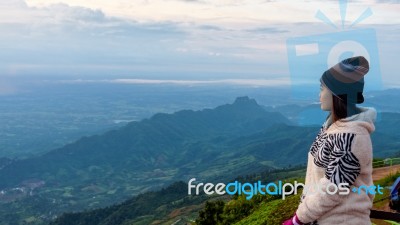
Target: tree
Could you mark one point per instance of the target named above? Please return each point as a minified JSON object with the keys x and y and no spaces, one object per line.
{"x":211,"y":214}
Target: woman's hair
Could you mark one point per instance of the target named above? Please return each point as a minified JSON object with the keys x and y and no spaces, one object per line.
{"x":341,"y":109}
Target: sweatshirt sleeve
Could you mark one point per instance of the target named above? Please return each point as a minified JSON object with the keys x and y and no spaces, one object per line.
{"x":341,"y":166}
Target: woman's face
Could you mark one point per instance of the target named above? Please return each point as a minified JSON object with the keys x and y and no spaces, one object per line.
{"x":325,"y":98}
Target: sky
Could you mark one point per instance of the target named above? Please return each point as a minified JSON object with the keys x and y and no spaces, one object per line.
{"x":182,"y":39}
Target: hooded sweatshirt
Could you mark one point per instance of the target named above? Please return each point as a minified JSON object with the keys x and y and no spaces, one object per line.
{"x":341,"y":153}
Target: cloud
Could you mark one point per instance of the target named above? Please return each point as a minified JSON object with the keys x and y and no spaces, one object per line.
{"x":76,"y":13}
{"x":95,"y":22}
{"x":72,"y":35}
{"x":13,"y":3}
{"x":388,"y":1}
{"x":269,"y":30}
{"x":193,"y":1}
{"x":204,"y":38}
{"x":210,"y":27}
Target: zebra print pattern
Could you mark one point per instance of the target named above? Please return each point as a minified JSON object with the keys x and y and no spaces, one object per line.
{"x":343,"y":167}
{"x":333,"y":152}
{"x":319,"y":149}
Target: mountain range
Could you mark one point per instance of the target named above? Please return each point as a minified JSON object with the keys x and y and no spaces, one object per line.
{"x":210,"y":144}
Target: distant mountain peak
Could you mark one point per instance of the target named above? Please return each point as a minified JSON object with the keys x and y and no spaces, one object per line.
{"x":245,"y":99}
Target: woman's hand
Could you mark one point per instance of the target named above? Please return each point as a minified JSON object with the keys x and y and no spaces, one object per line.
{"x":293,"y":221}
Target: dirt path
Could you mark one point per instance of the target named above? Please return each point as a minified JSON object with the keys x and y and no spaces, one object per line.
{"x":379,"y":173}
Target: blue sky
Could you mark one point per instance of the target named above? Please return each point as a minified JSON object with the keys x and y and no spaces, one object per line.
{"x":176,"y":39}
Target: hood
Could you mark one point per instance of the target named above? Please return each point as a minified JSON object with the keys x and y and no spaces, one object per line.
{"x":364,"y":120}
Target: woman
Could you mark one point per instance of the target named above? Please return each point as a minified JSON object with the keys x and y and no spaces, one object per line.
{"x":341,"y":154}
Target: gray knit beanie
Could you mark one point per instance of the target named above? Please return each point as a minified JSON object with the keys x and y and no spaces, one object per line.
{"x":347,"y":78}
